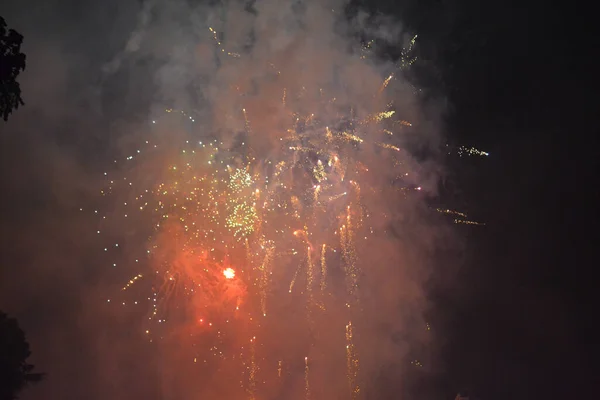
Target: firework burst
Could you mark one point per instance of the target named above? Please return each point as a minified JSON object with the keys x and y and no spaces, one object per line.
{"x":240,"y":244}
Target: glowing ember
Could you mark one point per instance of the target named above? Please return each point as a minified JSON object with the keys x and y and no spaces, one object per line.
{"x":229,"y":273}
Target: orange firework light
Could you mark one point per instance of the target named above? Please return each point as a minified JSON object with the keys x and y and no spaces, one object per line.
{"x":281,"y":223}
{"x":281,"y":215}
{"x":229,"y":273}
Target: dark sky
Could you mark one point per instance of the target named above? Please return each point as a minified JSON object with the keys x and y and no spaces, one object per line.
{"x":517,"y":319}
{"x":522,"y":86}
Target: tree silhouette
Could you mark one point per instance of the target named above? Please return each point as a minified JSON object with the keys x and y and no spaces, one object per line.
{"x":15,"y":372}
{"x":12,"y":62}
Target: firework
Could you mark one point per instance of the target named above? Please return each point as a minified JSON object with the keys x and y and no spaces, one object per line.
{"x":224,"y":234}
{"x":466,"y":151}
{"x":220,"y":222}
{"x":460,"y":217}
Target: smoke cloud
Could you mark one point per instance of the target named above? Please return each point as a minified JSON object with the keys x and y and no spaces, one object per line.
{"x":98,"y":81}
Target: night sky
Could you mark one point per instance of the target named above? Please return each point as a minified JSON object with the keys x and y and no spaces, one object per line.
{"x":513,"y":315}
{"x":522,"y":88}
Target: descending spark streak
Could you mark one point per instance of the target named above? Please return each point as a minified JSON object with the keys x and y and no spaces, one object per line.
{"x":310,"y":274}
{"x":466,"y":222}
{"x":264,"y":279}
{"x":389,"y":146}
{"x":316,"y":193}
{"x":248,"y":250}
{"x":349,"y":255}
{"x":448,"y":211}
{"x":378,"y":117}
{"x":351,"y":363}
{"x":323,"y":270}
{"x":306,"y":380}
{"x":132,"y":281}
{"x":459,"y":214}
{"x":253,"y":369}
{"x":293,"y":282}
{"x":337,"y":196}
{"x":220,"y":45}
{"x":246,"y":122}
{"x":405,"y":59}
{"x":468,"y":151}
{"x":385,"y":83}
{"x":471,"y":151}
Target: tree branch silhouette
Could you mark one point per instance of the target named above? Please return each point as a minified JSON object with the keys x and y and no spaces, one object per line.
{"x":15,"y":372}
{"x":12,"y":62}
